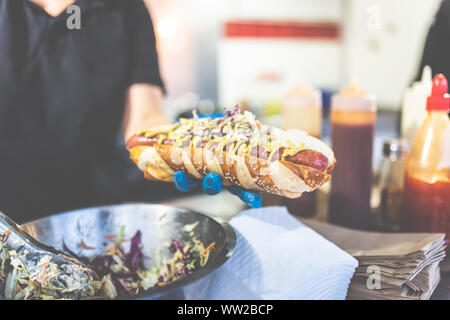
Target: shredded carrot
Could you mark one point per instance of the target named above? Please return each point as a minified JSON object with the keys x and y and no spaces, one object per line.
{"x":45,"y":267}
{"x":111,"y":250}
{"x":120,"y":253}
{"x":85,"y":246}
{"x":113,"y":237}
{"x":208,"y":248}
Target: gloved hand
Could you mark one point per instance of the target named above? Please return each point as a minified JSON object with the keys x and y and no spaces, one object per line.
{"x":212,"y":182}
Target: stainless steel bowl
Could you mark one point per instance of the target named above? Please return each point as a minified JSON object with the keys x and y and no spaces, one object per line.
{"x":159,"y":224}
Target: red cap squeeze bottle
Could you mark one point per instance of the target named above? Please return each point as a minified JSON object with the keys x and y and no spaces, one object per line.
{"x":439,"y":98}
{"x":426,"y":201}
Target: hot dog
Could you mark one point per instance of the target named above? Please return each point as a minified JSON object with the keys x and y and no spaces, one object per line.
{"x":241,"y":150}
{"x":309,"y":158}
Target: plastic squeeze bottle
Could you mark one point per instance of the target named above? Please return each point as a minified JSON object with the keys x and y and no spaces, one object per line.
{"x":353,"y":116}
{"x":302,"y":110}
{"x":426,"y":197}
{"x":414,"y":105}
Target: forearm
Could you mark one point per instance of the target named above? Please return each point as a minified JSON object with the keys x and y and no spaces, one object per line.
{"x":144,"y":109}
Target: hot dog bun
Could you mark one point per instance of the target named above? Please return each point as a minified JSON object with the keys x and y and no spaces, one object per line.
{"x":291,"y":163}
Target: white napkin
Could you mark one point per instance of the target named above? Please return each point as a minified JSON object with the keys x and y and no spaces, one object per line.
{"x":278,"y":257}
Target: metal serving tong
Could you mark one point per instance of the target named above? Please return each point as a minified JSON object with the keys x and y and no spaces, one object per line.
{"x":58,"y":274}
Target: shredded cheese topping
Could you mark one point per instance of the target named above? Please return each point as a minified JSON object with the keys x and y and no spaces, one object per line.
{"x":237,"y":134}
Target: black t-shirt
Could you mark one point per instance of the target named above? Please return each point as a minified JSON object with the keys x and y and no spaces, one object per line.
{"x":436,"y":51}
{"x":62,"y":99}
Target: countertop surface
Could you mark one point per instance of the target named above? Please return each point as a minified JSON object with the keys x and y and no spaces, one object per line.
{"x":226,"y":206}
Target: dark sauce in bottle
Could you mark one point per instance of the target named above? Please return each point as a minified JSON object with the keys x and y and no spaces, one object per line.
{"x":351,"y":182}
{"x":305,"y":206}
{"x":352,"y":129}
{"x":426,"y":206}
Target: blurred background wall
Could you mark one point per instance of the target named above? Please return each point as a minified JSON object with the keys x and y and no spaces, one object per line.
{"x":223,"y":52}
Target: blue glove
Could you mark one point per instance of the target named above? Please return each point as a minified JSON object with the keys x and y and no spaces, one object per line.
{"x":206,"y":115}
{"x":212,"y":182}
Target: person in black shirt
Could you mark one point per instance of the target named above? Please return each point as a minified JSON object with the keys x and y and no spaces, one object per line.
{"x":436,"y":51}
{"x":68,"y":99}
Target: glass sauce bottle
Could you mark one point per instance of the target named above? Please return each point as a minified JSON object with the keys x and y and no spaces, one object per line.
{"x":426,"y":200}
{"x":302,"y":110}
{"x":353,"y":116}
{"x":389,"y":184}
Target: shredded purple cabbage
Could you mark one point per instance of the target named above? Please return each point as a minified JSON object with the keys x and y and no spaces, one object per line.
{"x":4,"y":237}
{"x":134,"y":258}
{"x":233,"y":111}
{"x":125,"y":279}
{"x":123,"y":286}
{"x":176,"y":245}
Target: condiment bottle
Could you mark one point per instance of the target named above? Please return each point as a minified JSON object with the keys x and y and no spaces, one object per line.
{"x":353,"y":116}
{"x":390,"y":183}
{"x":302,"y":110}
{"x":414,"y":105}
{"x":426,"y":202}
